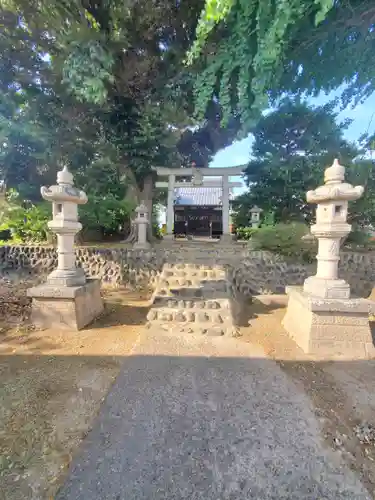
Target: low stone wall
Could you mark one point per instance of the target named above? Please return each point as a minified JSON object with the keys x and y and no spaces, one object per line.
{"x":134,"y":269}
{"x":264,"y":272}
{"x":253,"y":273}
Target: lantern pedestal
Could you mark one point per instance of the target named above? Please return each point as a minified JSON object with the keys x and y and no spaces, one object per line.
{"x":329,"y":327}
{"x":66,"y":307}
{"x":69,"y":277}
{"x":327,"y":288}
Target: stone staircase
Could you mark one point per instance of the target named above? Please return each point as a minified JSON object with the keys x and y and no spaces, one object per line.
{"x":193,"y":295}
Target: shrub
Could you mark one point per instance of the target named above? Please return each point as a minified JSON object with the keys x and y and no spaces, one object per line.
{"x":157,"y":231}
{"x":27,"y":224}
{"x":359,"y":238}
{"x":285,"y":240}
{"x":245,"y":233}
{"x":105,"y":215}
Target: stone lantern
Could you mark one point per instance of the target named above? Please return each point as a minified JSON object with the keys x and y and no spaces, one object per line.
{"x":333,"y":323}
{"x":67,"y":299}
{"x":142,"y":221}
{"x":255,"y":216}
{"x":65,"y":200}
{"x":331,"y":226}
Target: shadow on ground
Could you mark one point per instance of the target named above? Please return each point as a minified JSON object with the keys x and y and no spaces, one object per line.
{"x":185,"y":427}
{"x":198,"y":427}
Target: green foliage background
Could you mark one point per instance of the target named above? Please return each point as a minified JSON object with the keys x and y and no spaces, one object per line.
{"x":249,"y":52}
{"x":110,"y":88}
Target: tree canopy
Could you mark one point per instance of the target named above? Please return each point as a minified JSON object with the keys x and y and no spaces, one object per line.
{"x":100,"y":82}
{"x":101,"y":86}
{"x":292,"y":147}
{"x":248,"y":52}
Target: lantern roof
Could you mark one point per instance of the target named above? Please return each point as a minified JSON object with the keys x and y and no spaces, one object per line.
{"x":334,"y":189}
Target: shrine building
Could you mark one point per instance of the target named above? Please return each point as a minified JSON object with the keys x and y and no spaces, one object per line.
{"x":200,"y":207}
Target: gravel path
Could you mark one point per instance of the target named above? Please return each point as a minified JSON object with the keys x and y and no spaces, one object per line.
{"x":213,"y":419}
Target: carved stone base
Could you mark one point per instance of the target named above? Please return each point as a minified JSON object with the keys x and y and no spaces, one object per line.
{"x":70,"y":308}
{"x":327,"y":289}
{"x":64,"y":278}
{"x":226,"y":238}
{"x":168,"y":237}
{"x":329,"y":327}
{"x":142,"y":246}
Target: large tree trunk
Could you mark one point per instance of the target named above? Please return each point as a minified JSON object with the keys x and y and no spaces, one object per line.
{"x":132,"y":196}
{"x":136,"y":196}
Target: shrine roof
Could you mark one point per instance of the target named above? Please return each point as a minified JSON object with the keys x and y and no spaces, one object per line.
{"x":207,"y":196}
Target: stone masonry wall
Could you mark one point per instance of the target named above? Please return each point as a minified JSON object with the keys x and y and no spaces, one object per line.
{"x":253,"y":273}
{"x":115,"y":267}
{"x":264,"y":272}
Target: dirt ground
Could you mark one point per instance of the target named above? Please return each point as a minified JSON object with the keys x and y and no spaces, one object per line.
{"x":53,"y":383}
{"x":342,"y":392}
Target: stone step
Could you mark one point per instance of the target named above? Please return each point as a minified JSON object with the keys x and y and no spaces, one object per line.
{"x":193,"y":266}
{"x":199,"y":247}
{"x":196,"y":258}
{"x":166,"y":314}
{"x":197,"y":252}
{"x":173,"y":282}
{"x":210,"y":263}
{"x":203,"y":253}
{"x":193,"y":296}
{"x":193,"y":293}
{"x":197,"y":304}
{"x":193,"y":273}
{"x":191,"y":280}
{"x":194,"y":329}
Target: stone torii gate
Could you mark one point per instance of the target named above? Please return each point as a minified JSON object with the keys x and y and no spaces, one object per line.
{"x":197,"y":181}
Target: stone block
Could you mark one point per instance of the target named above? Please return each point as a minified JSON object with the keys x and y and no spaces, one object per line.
{"x":70,"y":308}
{"x":66,"y":278}
{"x":327,"y":289}
{"x":226,"y":238}
{"x":142,"y":245}
{"x":168,"y":237}
{"x":329,"y":327}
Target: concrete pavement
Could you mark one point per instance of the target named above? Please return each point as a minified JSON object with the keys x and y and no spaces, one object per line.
{"x":206,"y":418}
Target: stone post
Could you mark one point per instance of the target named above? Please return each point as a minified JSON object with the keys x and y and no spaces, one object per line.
{"x":66,"y":299}
{"x":332,"y":322}
{"x":225,"y":208}
{"x":142,"y":221}
{"x":2,"y":197}
{"x":255,"y":216}
{"x":170,"y":206}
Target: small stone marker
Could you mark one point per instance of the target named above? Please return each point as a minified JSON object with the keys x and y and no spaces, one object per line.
{"x":67,"y":299}
{"x":142,"y":221}
{"x":255,"y":216}
{"x":321,"y":317}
